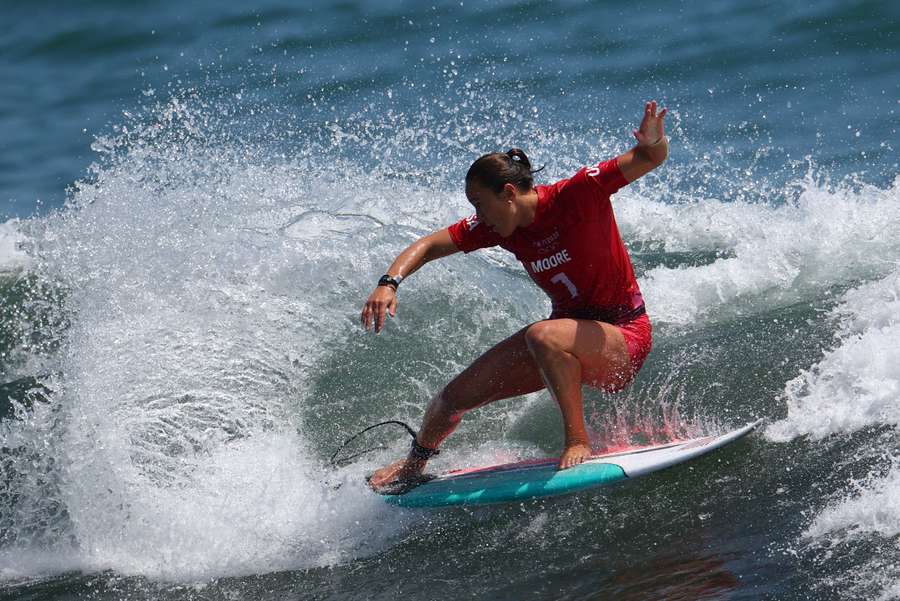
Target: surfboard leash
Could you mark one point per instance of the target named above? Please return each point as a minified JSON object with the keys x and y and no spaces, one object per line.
{"x":345,"y":460}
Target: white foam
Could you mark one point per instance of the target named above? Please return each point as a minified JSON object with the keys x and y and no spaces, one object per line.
{"x":12,"y":257}
{"x":772,"y":255}
{"x":23,"y":565}
{"x":857,"y":383}
{"x":874,"y":508}
{"x":870,"y":511}
{"x":194,"y":338}
{"x":206,"y":287}
{"x":891,"y":591}
{"x":251,"y":506}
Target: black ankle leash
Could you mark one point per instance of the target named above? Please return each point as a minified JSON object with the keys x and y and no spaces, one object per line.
{"x":417,"y":450}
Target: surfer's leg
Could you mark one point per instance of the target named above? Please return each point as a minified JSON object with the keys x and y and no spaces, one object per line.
{"x":570,"y":352}
{"x":558,"y":354}
{"x":508,"y":369}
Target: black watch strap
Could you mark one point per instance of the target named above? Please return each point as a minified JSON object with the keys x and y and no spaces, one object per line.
{"x":388,"y":280}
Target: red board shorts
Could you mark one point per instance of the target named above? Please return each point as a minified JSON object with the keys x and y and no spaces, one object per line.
{"x":638,"y":335}
{"x":635,"y":328}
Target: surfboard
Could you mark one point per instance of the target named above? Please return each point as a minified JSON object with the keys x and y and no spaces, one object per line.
{"x":539,"y":477}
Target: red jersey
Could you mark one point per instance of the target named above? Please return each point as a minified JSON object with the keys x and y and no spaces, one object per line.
{"x":573,"y":249}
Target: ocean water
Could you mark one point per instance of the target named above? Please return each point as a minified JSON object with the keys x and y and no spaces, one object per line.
{"x":195,"y":201}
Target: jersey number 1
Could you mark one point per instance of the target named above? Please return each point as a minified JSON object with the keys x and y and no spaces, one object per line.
{"x":561,"y":278}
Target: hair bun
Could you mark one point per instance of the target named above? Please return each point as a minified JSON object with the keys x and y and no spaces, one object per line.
{"x":496,"y":169}
{"x":518,"y":155}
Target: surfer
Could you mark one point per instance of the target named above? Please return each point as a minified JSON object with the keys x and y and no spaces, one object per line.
{"x":567,"y":239}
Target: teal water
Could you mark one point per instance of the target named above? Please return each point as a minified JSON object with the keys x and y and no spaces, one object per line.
{"x":196,"y":200}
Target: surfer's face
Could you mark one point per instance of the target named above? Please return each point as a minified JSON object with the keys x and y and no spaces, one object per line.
{"x":496,"y":211}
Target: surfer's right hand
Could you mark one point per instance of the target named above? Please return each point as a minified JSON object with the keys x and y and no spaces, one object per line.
{"x":382,"y":300}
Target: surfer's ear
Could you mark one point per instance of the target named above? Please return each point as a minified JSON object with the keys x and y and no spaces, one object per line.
{"x":510,"y":192}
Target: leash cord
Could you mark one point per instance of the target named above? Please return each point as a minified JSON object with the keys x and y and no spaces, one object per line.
{"x":345,"y":460}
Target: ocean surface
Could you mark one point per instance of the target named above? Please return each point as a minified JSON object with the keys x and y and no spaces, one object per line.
{"x":197,"y":198}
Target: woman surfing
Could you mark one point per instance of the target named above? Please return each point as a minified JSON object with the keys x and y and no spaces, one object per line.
{"x":566,"y":237}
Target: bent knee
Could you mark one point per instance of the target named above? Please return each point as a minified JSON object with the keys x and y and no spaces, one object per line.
{"x":451,"y":403}
{"x":541,"y":337}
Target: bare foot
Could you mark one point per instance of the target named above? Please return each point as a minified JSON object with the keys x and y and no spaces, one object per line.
{"x":573,"y":455}
{"x":397,"y":471}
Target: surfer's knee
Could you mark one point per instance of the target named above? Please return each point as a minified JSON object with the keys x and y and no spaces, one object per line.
{"x":542,"y":338}
{"x":450,"y":406}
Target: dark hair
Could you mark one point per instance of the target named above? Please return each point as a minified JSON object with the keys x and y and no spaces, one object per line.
{"x":495,"y":170}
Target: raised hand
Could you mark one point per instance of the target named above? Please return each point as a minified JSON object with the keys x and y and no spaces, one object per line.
{"x":651,"y":129}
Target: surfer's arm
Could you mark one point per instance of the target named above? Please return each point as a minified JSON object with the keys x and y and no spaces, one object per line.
{"x":652,"y":147}
{"x":384,"y":298}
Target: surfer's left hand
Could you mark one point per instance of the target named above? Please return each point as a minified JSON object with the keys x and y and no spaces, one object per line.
{"x":651,"y":129}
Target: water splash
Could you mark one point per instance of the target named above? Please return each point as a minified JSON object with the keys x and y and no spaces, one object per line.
{"x":767,"y":255}
{"x":203,"y":369}
{"x":857,"y":383}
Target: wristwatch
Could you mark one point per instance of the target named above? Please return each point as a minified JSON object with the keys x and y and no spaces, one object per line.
{"x":392,"y":281}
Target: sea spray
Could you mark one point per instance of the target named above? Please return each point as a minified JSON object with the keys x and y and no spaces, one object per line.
{"x":827,"y":237}
{"x":857,"y":383}
{"x":206,"y":372}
